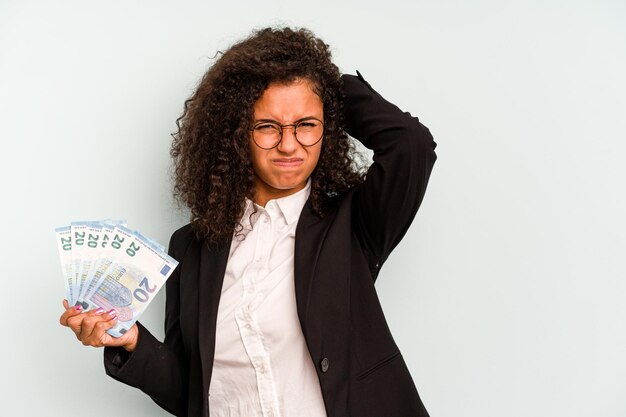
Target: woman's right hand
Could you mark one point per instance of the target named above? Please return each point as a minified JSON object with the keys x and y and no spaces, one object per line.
{"x":90,"y":327}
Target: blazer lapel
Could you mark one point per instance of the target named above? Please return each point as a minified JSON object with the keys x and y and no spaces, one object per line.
{"x":212,"y":269}
{"x":310,"y":233}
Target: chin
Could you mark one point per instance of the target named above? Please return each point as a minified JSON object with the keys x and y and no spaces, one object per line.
{"x":288,"y":186}
{"x":287,"y":183}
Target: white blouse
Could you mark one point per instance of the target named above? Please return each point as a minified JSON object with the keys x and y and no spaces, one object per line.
{"x":262,"y":366}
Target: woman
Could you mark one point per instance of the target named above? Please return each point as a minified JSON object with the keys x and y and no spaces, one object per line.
{"x":272,"y":310}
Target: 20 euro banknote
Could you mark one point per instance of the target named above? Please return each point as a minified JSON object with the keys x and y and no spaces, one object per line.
{"x":110,"y":266}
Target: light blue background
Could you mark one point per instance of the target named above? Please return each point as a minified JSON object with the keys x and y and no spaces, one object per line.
{"x":507,"y":296}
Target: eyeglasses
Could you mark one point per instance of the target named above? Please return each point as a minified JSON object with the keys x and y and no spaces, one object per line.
{"x":268,"y":134}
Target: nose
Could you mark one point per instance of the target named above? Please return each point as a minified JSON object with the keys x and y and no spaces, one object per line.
{"x":289,"y":143}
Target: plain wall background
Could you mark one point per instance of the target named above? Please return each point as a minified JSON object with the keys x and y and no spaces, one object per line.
{"x":507,"y":296}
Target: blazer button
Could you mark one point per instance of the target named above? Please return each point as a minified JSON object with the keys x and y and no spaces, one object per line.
{"x":324,"y":364}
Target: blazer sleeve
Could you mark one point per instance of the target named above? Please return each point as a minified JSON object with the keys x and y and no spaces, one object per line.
{"x":404,"y":155}
{"x":158,"y":369}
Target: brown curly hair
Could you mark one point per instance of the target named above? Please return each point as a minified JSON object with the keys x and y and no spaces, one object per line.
{"x":213,"y":172}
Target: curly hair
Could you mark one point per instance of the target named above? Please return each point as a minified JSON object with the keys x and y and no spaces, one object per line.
{"x":213,"y":173}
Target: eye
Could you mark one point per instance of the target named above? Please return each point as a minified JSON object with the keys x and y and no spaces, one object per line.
{"x":307,"y":125}
{"x":268,"y":128}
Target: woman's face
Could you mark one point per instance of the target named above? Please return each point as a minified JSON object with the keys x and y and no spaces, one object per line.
{"x":284,"y":170}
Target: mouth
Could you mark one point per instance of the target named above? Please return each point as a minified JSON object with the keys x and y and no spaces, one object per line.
{"x":287,"y":162}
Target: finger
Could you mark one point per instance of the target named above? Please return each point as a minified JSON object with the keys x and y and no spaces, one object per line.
{"x":100,"y":331}
{"x":82,"y":325}
{"x":65,"y":304}
{"x":88,"y":325}
{"x":69,"y":313}
{"x":95,"y":312}
{"x":98,"y":336}
{"x":91,"y":317}
{"x":75,"y":323}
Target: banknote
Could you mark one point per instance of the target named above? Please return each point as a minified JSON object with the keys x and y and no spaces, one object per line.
{"x":89,"y":255}
{"x":109,"y":269}
{"x":64,"y":244}
{"x":106,"y":256}
{"x":106,"y":264}
{"x":78,"y":244}
{"x":138,"y":271}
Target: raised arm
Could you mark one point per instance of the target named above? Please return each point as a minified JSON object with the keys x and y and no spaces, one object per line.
{"x":404,"y":155}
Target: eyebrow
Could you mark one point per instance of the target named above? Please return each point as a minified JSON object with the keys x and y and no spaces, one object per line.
{"x":302,"y":119}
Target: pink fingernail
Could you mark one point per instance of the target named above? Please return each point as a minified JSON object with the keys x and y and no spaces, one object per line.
{"x":99,"y":310}
{"x":112,"y":313}
{"x":78,"y":307}
{"x":114,"y":317}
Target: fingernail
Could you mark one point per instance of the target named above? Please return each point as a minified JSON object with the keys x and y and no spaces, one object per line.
{"x":78,"y":307}
{"x":114,"y":317}
{"x":99,"y":310}
{"x":112,"y":313}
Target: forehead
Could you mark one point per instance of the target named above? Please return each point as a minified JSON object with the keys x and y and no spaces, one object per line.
{"x":286,"y":102}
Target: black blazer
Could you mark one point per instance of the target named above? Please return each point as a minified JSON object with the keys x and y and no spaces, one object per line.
{"x":337,"y":259}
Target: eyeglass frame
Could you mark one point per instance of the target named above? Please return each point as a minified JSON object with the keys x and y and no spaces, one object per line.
{"x":280,"y":130}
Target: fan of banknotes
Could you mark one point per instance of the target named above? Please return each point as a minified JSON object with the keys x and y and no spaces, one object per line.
{"x":105,"y":264}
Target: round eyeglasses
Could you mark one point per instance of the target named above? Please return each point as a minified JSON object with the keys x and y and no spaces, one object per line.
{"x":268,"y":134}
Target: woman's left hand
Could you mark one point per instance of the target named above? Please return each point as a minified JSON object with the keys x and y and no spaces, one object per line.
{"x":90,"y":327}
